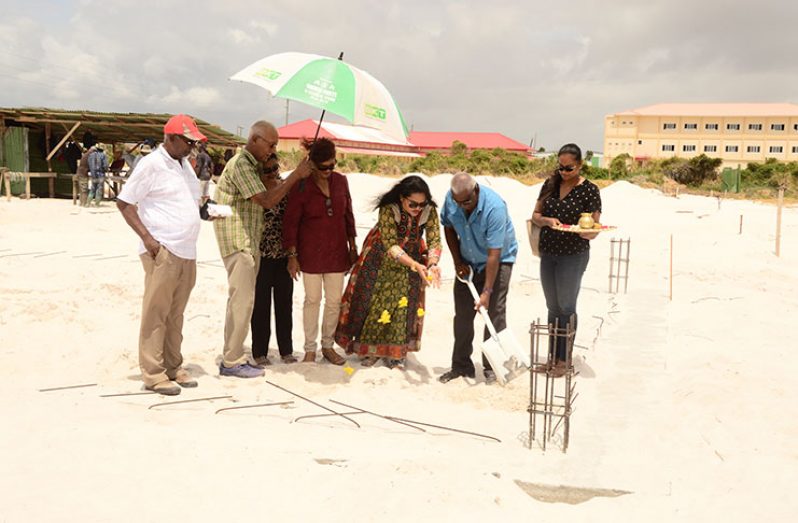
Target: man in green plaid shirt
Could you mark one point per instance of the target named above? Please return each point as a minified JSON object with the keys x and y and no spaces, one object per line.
{"x":239,"y":235}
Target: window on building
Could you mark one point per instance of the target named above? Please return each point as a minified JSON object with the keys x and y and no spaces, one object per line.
{"x":732,"y":127}
{"x":640,"y":142}
{"x":754,"y":126}
{"x":711,"y":127}
{"x":690,"y":126}
{"x":667,"y":126}
{"x":668,"y":148}
{"x":688,"y":148}
{"x":710,"y":148}
{"x":753,"y":149}
{"x":795,"y":149}
{"x":732,"y":148}
{"x":777,"y":127}
{"x":795,"y":127}
{"x":776,"y":149}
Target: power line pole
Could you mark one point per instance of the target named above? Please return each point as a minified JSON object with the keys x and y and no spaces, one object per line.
{"x":286,"y":111}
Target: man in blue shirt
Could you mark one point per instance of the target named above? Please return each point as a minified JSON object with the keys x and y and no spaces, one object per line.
{"x":98,"y":166}
{"x":481,"y":238}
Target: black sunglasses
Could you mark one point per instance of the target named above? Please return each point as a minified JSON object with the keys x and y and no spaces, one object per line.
{"x":328,"y":167}
{"x":328,"y":203}
{"x":191,"y":143}
{"x":568,"y":169}
{"x":416,"y":205}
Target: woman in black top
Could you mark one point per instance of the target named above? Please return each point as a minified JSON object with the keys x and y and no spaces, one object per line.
{"x":564,"y":255}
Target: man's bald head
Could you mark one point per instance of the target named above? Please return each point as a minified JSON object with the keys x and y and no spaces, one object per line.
{"x":262,"y":140}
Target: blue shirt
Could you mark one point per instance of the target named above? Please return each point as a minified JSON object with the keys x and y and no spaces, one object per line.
{"x":488,"y":227}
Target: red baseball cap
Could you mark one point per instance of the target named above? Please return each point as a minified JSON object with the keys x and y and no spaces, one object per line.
{"x":184,"y":125}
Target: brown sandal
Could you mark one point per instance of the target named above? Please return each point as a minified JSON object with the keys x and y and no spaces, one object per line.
{"x":332,"y":356}
{"x":310,"y":357}
{"x":369,"y":361}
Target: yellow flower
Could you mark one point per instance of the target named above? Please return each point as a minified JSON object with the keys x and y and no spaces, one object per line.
{"x":349,"y":370}
{"x":403,"y":302}
{"x":420,"y":312}
{"x":385,"y":317}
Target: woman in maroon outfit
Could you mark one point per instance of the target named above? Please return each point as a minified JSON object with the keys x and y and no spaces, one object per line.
{"x":319,"y":236}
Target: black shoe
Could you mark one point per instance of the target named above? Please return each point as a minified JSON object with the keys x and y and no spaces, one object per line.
{"x":490,"y":377}
{"x":446,"y":377}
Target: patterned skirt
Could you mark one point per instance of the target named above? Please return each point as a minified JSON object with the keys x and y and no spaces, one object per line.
{"x":383,"y":306}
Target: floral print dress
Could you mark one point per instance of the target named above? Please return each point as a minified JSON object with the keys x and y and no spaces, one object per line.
{"x":382,"y":311}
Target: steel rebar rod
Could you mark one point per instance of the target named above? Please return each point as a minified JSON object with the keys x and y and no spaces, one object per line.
{"x":127,"y":394}
{"x":273,"y":404}
{"x":68,"y":387}
{"x":445,"y":428}
{"x":187,"y":401}
{"x":378,"y":415}
{"x":313,"y":402}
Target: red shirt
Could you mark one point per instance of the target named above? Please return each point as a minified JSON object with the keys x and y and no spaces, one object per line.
{"x":321,"y":240}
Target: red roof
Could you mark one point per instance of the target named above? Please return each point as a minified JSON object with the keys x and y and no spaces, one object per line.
{"x":302,"y":129}
{"x":433,"y":140}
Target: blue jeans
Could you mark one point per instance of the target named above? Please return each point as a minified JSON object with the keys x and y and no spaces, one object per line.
{"x":561,"y":277}
{"x":96,"y":191}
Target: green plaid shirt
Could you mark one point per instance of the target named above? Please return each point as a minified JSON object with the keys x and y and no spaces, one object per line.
{"x":239,"y":182}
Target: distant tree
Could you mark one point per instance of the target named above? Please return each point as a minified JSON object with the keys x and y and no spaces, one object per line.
{"x":694,"y":171}
{"x":541,"y":149}
{"x":459,"y":148}
{"x":588,"y":156}
{"x":619,"y":168}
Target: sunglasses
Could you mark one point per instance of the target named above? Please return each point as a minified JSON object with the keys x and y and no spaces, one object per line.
{"x":191,"y":143}
{"x":328,"y":203}
{"x":327,"y":167}
{"x":416,"y":205}
{"x":568,"y":169}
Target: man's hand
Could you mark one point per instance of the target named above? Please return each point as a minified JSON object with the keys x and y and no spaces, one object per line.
{"x":483,"y":301}
{"x":462,"y":269}
{"x":304,"y":169}
{"x":293,"y":268}
{"x":152,"y":246}
{"x":352,"y":257}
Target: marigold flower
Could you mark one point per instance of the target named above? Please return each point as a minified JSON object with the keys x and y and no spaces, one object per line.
{"x":385,"y":317}
{"x":420,"y":312}
{"x":403,"y":302}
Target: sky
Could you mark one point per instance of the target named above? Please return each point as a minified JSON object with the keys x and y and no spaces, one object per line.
{"x":543,"y":70}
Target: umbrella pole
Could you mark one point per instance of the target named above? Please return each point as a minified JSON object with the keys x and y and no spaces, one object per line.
{"x":318,"y":128}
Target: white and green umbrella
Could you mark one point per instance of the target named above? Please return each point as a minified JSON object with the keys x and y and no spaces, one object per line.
{"x":331,"y":85}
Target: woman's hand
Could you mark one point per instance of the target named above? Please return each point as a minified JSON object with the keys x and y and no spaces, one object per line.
{"x":434,"y":276}
{"x":293,"y":268}
{"x":552,"y":222}
{"x":422,"y":272}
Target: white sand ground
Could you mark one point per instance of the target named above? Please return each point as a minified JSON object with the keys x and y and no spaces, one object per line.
{"x":687,"y":405}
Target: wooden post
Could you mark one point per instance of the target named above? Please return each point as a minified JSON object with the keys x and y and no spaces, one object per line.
{"x":670,"y":272}
{"x":741,"y":224}
{"x":47,"y":146}
{"x":63,"y":141}
{"x":778,"y":221}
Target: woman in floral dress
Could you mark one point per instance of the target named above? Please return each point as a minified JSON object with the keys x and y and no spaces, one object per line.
{"x":382,"y":313}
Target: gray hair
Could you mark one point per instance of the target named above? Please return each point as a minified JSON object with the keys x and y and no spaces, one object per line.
{"x":462,"y":183}
{"x":262,"y":124}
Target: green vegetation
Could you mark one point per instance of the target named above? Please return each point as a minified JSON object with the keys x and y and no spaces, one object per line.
{"x":699,"y":174}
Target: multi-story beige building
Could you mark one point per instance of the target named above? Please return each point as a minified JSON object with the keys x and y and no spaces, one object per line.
{"x":735,"y":133}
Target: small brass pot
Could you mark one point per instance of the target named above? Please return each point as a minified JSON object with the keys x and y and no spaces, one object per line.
{"x":586,"y":221}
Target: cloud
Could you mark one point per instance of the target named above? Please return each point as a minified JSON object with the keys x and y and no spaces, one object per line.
{"x":544,"y":68}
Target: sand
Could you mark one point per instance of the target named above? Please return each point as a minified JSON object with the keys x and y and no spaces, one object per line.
{"x":685,"y":409}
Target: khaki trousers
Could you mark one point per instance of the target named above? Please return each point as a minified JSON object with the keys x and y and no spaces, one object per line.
{"x":242,"y":274}
{"x":333,"y":285}
{"x":168,"y":281}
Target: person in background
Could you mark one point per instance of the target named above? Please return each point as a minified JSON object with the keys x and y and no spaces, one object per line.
{"x":98,"y":166}
{"x":564,"y":255}
{"x":239,"y":237}
{"x":132,"y":158}
{"x":160,"y":202}
{"x":481,"y":238}
{"x":204,"y":168}
{"x":82,"y":176}
{"x":382,"y":312}
{"x":319,"y":235}
{"x":274,"y":285}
